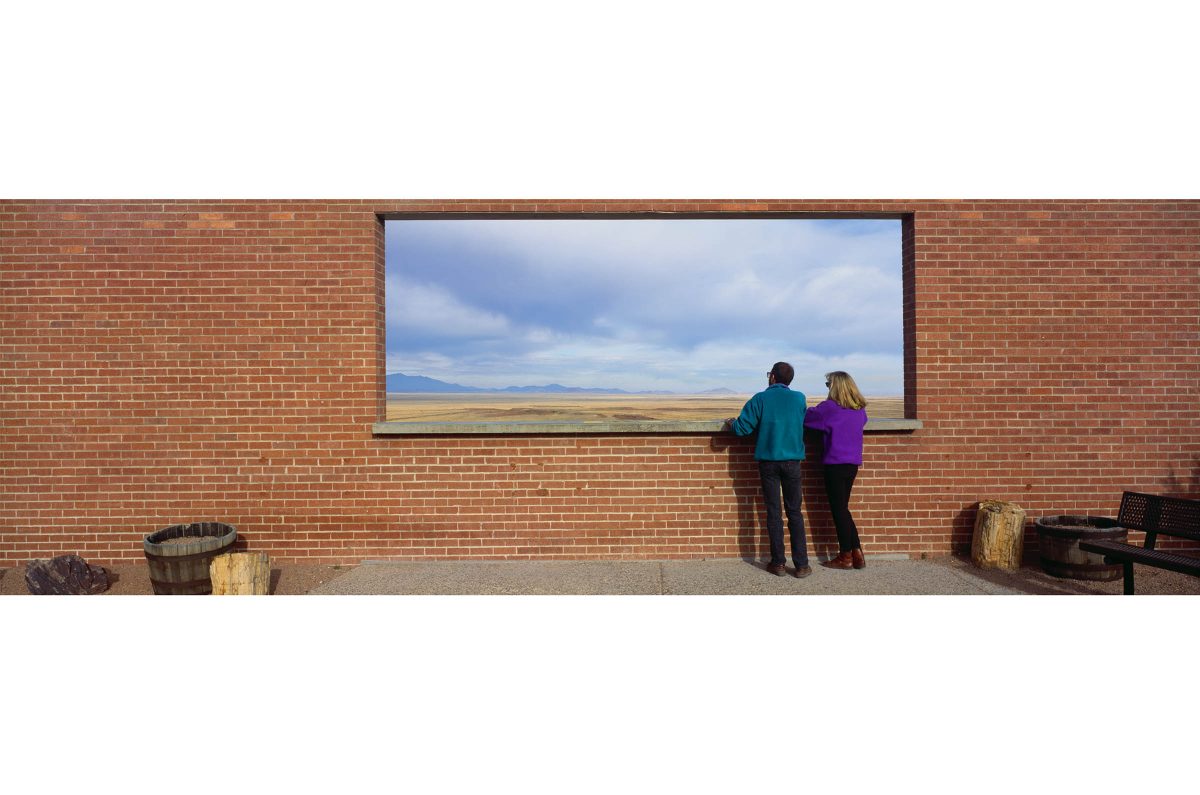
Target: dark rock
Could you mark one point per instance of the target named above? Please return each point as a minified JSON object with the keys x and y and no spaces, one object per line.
{"x":65,"y":574}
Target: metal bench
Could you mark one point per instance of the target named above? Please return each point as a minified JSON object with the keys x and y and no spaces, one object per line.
{"x":1152,"y":514}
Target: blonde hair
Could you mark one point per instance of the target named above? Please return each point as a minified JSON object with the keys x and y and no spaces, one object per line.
{"x":844,"y":392}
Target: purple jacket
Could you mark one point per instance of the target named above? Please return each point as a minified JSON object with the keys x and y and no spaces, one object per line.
{"x":842,"y":429}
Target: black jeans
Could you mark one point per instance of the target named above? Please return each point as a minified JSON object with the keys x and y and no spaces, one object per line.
{"x":785,"y":476}
{"x":839,"y":479}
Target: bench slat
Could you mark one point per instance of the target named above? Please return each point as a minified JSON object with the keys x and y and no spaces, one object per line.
{"x":1179,"y":517}
{"x":1153,"y":513}
{"x":1120,"y":552}
{"x":1135,"y":510}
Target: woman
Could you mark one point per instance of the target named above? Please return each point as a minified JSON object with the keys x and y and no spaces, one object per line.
{"x":841,"y":419}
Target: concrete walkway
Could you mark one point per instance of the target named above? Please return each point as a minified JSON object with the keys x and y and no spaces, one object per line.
{"x":939,"y":576}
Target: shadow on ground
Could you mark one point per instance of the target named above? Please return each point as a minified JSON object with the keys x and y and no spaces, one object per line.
{"x":1032,"y":579}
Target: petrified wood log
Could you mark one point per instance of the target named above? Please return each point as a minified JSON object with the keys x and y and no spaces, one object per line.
{"x":241,"y":574}
{"x":65,"y":574}
{"x":999,"y":535}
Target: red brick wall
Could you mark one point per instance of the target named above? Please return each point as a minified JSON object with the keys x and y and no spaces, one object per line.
{"x":178,"y":361}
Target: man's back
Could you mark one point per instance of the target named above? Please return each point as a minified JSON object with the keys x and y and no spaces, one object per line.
{"x":777,"y":414}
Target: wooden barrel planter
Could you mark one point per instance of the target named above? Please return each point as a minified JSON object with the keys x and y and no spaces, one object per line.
{"x":1058,"y":546}
{"x":180,"y":556}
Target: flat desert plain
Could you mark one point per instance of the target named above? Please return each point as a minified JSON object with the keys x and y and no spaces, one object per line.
{"x":574,"y":407}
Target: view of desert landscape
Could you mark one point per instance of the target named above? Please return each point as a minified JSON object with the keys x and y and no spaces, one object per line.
{"x":575,"y":407}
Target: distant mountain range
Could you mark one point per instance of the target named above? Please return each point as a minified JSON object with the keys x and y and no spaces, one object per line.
{"x":399,"y":382}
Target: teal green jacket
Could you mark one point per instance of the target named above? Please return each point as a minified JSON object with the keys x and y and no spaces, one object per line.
{"x":777,"y":413}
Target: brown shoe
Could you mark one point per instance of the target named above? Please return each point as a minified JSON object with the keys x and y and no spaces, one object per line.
{"x":802,"y":571}
{"x":777,"y":569}
{"x":842,"y":561}
{"x":860,"y":562}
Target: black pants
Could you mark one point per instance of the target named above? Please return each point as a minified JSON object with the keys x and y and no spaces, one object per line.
{"x":785,"y":476}
{"x":839,"y":479}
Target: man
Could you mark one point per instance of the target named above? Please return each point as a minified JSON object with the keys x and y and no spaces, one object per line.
{"x":777,"y":414}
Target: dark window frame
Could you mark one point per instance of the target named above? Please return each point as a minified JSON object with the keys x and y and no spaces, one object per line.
{"x":640,"y":428}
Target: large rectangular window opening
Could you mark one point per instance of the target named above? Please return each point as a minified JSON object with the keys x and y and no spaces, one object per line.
{"x":551,"y":320}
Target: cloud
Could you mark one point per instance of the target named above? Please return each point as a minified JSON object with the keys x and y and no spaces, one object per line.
{"x":430,"y":310}
{"x":644,"y":304}
{"x":740,"y":365}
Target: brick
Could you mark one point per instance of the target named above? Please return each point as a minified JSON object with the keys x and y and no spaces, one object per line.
{"x":161,"y":358}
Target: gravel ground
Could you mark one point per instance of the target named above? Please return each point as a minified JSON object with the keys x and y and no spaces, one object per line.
{"x":943,"y":576}
{"x":131,"y":579}
{"x":937,"y":576}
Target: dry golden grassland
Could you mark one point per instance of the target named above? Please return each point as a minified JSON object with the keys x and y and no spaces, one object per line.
{"x":425,"y":407}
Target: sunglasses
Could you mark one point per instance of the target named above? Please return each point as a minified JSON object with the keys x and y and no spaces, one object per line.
{"x":826,"y":384}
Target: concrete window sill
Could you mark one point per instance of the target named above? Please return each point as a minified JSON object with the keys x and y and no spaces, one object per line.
{"x":622,"y":427}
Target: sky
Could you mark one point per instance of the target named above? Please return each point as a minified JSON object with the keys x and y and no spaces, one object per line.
{"x":646,"y":304}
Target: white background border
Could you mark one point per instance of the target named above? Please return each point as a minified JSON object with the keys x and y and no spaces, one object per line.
{"x":622,"y":100}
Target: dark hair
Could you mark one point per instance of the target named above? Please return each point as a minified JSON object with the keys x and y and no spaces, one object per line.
{"x":783,"y":373}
